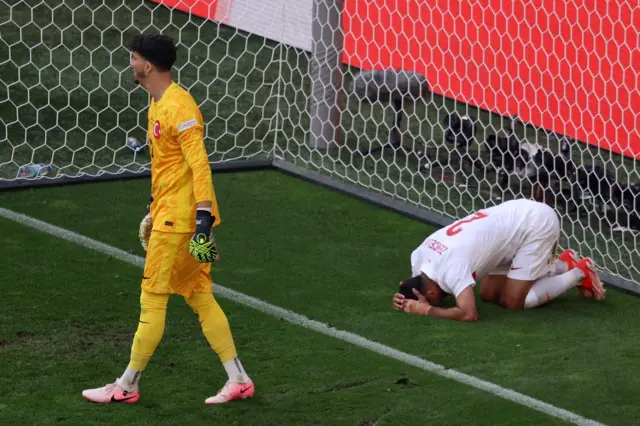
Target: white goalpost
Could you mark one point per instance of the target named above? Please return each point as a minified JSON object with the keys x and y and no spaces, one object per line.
{"x":433,"y":108}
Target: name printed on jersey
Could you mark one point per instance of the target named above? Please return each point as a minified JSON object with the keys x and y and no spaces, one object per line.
{"x":187,"y":125}
{"x":436,"y":246}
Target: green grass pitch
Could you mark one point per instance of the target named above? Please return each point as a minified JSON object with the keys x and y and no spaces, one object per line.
{"x":69,"y":313}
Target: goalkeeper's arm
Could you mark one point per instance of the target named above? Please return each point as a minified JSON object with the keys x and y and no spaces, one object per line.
{"x":202,"y":246}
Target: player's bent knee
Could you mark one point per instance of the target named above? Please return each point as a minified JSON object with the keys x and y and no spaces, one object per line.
{"x":515,"y":292}
{"x":198,"y":301}
{"x":489,"y":294}
{"x":512,"y":302}
{"x":207,"y":309}
{"x":490,"y":289}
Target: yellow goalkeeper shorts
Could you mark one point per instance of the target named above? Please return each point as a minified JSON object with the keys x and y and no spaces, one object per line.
{"x":169,"y":268}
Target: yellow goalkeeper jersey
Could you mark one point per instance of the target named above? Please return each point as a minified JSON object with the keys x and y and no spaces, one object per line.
{"x":180,"y":171}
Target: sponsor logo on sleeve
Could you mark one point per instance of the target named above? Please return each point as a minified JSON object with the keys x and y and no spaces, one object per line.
{"x":187,"y":125}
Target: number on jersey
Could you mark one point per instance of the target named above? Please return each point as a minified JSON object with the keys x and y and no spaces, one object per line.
{"x":456,"y":228}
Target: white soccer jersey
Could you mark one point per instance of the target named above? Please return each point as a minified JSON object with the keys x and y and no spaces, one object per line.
{"x":523,"y":231}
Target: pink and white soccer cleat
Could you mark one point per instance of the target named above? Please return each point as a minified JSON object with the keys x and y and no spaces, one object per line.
{"x":111,"y":393}
{"x":232,"y":391}
{"x":570,"y":258}
{"x":591,"y":286}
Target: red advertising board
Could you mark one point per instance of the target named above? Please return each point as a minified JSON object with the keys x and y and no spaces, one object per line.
{"x":569,"y":66}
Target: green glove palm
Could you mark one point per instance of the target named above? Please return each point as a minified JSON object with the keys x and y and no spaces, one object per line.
{"x":203,"y":246}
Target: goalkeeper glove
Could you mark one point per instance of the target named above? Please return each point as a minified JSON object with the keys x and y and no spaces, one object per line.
{"x":203,"y":246}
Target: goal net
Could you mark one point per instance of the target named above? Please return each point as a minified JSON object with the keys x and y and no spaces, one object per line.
{"x":68,"y":97}
{"x":448,"y":106}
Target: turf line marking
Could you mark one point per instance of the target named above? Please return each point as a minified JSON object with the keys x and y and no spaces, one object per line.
{"x":305,"y":322}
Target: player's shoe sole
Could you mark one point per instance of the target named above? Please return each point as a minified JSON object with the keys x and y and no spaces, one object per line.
{"x":570,"y":258}
{"x":591,"y":285}
{"x":232,"y":391}
{"x":111,"y":393}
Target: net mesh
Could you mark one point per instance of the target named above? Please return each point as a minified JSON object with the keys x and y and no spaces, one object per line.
{"x":67,"y":98}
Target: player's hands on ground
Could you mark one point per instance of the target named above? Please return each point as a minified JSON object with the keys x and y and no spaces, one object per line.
{"x":398,"y":300}
{"x":203,"y":246}
{"x":144,"y":232}
{"x":410,"y":306}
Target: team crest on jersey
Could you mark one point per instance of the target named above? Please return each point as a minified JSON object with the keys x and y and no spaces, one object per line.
{"x":156,"y":129}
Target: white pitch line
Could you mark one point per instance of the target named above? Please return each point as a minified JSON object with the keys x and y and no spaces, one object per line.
{"x":323,"y":328}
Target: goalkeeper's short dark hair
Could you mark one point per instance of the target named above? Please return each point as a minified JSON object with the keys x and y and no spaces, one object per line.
{"x":407,"y":286}
{"x":158,"y":49}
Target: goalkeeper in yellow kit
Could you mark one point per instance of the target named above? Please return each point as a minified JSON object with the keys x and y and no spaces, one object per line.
{"x":182,"y":212}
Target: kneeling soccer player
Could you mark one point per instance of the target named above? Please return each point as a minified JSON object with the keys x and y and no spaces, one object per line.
{"x":182,"y":212}
{"x":510,"y":248}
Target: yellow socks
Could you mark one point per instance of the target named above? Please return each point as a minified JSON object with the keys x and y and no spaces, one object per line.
{"x":216,"y":329}
{"x":214,"y":323}
{"x":153,"y":310}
